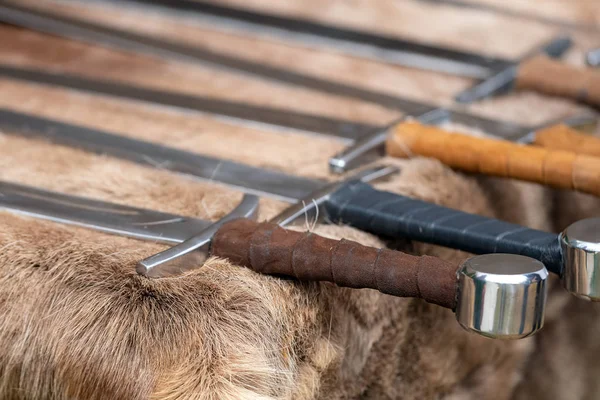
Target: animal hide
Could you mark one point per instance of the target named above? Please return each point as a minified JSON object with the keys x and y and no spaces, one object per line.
{"x":78,"y":323}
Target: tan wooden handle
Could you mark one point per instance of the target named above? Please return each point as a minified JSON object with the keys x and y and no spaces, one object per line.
{"x":545,"y":75}
{"x":563,"y":137}
{"x":560,"y":169}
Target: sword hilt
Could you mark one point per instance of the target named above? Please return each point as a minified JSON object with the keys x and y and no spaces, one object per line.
{"x":193,"y":252}
{"x":499,"y":295}
{"x":392,"y":215}
{"x":559,"y":169}
{"x":372,"y":146}
{"x":575,"y":257}
{"x":564,"y":131}
{"x":555,"y":78}
{"x":505,"y":79}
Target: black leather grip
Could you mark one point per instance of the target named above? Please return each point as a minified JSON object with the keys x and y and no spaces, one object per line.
{"x":391,"y":215}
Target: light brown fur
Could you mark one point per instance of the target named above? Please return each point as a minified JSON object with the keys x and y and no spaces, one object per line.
{"x":77,"y":322}
{"x":84,"y":325}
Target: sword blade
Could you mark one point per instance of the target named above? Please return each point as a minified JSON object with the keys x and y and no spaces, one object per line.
{"x":351,"y":41}
{"x":244,"y":112}
{"x":99,"y":34}
{"x":252,"y":180}
{"x":107,"y":217}
{"x":230,"y":111}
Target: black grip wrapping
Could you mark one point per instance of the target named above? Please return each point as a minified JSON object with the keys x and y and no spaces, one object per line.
{"x":393,"y":216}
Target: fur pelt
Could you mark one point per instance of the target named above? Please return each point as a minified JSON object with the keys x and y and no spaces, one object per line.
{"x":78,"y":323}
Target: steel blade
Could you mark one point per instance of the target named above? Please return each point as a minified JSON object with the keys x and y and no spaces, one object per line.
{"x":244,"y":112}
{"x":107,"y":217}
{"x":253,"y":180}
{"x":95,"y":33}
{"x":234,"y":112}
{"x":336,"y":38}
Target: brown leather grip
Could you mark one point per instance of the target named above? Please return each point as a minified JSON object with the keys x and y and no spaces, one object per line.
{"x":563,"y":137}
{"x":560,"y":169}
{"x":556,"y":78}
{"x":267,"y":248}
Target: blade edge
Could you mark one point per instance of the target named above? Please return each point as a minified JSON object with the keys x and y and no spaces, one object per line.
{"x":248,"y":179}
{"x":98,"y":215}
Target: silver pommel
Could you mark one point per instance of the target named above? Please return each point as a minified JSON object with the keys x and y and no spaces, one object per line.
{"x":502,"y":296}
{"x":592,"y":58}
{"x":580,"y":245}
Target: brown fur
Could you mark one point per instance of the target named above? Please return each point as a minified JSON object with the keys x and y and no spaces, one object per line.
{"x":94,"y":328}
{"x":77,"y":322}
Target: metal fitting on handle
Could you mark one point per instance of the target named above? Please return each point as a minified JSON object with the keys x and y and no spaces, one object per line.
{"x":592,"y":58}
{"x":580,"y":245}
{"x":372,"y":146}
{"x":502,"y":296}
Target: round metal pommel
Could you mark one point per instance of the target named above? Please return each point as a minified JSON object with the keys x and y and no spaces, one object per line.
{"x":580,"y":245}
{"x":502,"y":296}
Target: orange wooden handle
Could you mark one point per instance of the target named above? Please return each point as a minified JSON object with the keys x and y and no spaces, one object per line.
{"x":559,"y":79}
{"x":563,"y":137}
{"x":560,"y":169}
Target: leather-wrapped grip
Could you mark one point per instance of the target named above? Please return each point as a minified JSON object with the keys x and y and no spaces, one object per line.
{"x":267,"y":248}
{"x":559,"y":169}
{"x":563,"y":137}
{"x":556,"y":78}
{"x":394,"y":216}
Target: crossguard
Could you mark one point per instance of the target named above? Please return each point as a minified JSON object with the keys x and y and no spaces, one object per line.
{"x":372,"y":146}
{"x":314,"y":202}
{"x":193,"y":251}
{"x":505,"y":79}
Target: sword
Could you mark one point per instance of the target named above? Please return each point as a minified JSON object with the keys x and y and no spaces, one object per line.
{"x":311,"y":34}
{"x":497,"y":75}
{"x":498,"y":295}
{"x":351,"y":202}
{"x":500,"y":76}
{"x":366,"y":140}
